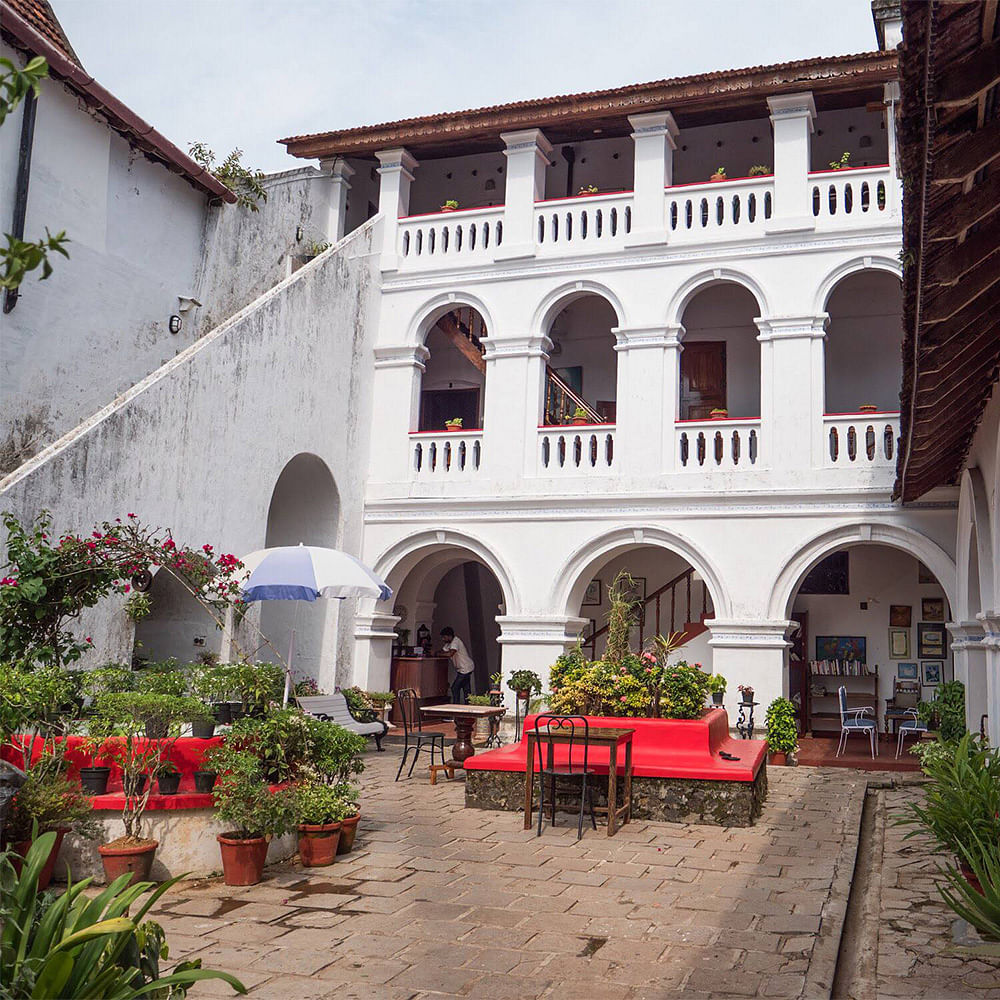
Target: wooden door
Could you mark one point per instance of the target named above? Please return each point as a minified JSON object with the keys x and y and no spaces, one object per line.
{"x":439,"y":405}
{"x":703,"y":378}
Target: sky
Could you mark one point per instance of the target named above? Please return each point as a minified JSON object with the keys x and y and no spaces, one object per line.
{"x":244,"y":73}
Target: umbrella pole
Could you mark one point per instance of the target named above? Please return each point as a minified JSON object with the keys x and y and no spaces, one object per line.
{"x":288,"y":669}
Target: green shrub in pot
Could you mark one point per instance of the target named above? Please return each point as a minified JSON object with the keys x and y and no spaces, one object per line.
{"x":525,"y":680}
{"x":317,"y":804}
{"x":782,"y":734}
{"x":166,"y":677}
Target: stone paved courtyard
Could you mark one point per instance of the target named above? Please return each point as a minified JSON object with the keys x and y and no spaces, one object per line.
{"x":439,"y":901}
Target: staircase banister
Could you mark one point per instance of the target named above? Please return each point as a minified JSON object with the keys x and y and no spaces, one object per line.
{"x":652,"y":597}
{"x":577,"y":400}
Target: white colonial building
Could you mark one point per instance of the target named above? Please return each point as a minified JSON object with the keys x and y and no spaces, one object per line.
{"x":598,"y":292}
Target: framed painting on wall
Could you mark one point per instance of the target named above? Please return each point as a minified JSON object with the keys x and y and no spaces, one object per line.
{"x":900,"y":616}
{"x":842,"y":647}
{"x":930,"y":640}
{"x":592,"y":595}
{"x":932,"y":609}
{"x":932,"y":671}
{"x":907,"y":672}
{"x":573,"y":377}
{"x":899,"y":643}
{"x":924,"y":575}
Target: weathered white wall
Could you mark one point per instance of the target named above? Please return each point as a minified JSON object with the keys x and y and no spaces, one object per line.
{"x":199,"y":445}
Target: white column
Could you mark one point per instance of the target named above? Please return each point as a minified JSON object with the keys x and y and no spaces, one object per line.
{"x":654,"y":136}
{"x":396,"y":176}
{"x":534,"y":643}
{"x":340,"y":174}
{"x":894,"y":197}
{"x":515,"y":375}
{"x":791,"y":390}
{"x":991,"y":645}
{"x":527,"y":155}
{"x":648,"y":385}
{"x":970,"y":658}
{"x":792,"y":118}
{"x":374,"y":634}
{"x":396,"y":400}
{"x":751,"y":653}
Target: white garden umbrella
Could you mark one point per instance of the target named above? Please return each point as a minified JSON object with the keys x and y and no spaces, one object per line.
{"x":307,"y":573}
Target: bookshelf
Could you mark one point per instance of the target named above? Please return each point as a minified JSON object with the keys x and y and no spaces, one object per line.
{"x":826,"y":676}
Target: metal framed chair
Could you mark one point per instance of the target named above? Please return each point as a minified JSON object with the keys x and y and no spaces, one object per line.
{"x":913,"y":727}
{"x":902,"y":704}
{"x":414,"y":738}
{"x":575,"y":731}
{"x":852,"y":720}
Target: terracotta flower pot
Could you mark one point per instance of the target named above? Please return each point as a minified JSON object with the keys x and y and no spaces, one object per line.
{"x":94,"y":780}
{"x":348,"y":831}
{"x":778,"y":759}
{"x":579,"y":421}
{"x":719,"y":415}
{"x":45,"y":875}
{"x":867,"y":408}
{"x":447,"y":208}
{"x":242,"y":860}
{"x":318,"y":844}
{"x":137,"y":859}
{"x":715,"y":178}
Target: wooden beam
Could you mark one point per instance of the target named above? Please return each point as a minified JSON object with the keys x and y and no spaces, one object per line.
{"x":970,"y":77}
{"x":450,"y":328}
{"x":952,"y":300}
{"x":977,"y":249}
{"x":979,"y":311}
{"x":970,"y":208}
{"x":966,"y":155}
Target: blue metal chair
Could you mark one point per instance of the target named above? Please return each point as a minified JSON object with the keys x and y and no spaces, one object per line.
{"x":912,"y":726}
{"x":852,"y":720}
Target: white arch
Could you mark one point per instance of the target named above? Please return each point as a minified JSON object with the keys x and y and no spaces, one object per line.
{"x":896,"y":536}
{"x":557,"y":300}
{"x":399,"y":559}
{"x":435,"y":307}
{"x":713,"y":276}
{"x":572,"y":576}
{"x":973,"y":520}
{"x":868,"y":262}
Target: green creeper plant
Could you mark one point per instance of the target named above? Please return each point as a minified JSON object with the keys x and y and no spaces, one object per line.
{"x":782,"y":734}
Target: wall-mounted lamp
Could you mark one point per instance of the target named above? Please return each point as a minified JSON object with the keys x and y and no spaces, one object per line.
{"x":298,"y":234}
{"x":175,"y":324}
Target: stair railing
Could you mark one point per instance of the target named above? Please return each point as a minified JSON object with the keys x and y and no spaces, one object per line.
{"x":561,"y":402}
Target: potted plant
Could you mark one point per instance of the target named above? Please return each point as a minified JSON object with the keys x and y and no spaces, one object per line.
{"x":210,"y":683}
{"x":867,"y":408}
{"x":319,"y":810}
{"x":719,"y":175}
{"x":782,"y":735}
{"x":587,"y":190}
{"x":455,"y":424}
{"x":580,"y":416}
{"x":717,"y":686}
{"x":759,"y":170}
{"x":482,"y":730}
{"x":496,"y":694}
{"x":450,"y":206}
{"x":746,"y":693}
{"x":525,"y":683}
{"x":718,"y":413}
{"x":841,"y":164}
{"x":382,"y":702}
{"x":168,"y":777}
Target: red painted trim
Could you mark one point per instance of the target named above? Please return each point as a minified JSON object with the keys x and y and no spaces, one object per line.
{"x":464,"y":430}
{"x":847,"y":170}
{"x":728,"y":180}
{"x":569,"y":427}
{"x":877,"y":413}
{"x":584,"y":197}
{"x":728,"y":420}
{"x":457,"y":211}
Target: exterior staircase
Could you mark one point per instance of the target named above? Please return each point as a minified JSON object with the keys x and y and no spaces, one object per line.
{"x":562,"y":402}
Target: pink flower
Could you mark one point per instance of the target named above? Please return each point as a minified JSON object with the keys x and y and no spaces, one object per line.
{"x":624,"y":698}
{"x":649,"y":670}
{"x":128,"y":587}
{"x":623,"y":671}
{"x":131,"y":515}
{"x":89,"y":640}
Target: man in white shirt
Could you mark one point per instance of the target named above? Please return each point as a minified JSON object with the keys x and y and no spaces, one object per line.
{"x":454,"y":648}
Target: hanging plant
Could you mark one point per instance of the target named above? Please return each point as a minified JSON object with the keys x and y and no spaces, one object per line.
{"x":138,"y":606}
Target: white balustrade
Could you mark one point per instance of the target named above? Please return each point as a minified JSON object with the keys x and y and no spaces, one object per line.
{"x":449,"y":239}
{"x":587,"y":224}
{"x":446,"y":454}
{"x":700,"y":213}
{"x":576,"y":451}
{"x":717,"y":444}
{"x":851,"y":196}
{"x":855,"y":439}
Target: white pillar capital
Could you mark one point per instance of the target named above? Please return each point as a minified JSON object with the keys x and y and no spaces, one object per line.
{"x":527,"y":153}
{"x":339,"y":173}
{"x":405,"y":356}
{"x":395,"y":170}
{"x":792,"y":117}
{"x":374,"y":634}
{"x":653,"y":124}
{"x":792,"y":327}
{"x":396,"y":161}
{"x":789,"y":107}
{"x":529,"y":142}
{"x":527,"y":346}
{"x":663,"y":336}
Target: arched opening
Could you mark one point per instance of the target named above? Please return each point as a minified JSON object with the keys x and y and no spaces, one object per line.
{"x":445,"y":586}
{"x":720,"y":360}
{"x":453,"y":385}
{"x":582,"y":373}
{"x":871,"y":618}
{"x":672,"y":597}
{"x":304,"y":508}
{"x":177,"y":625}
{"x":974,"y":597}
{"x":862,"y":361}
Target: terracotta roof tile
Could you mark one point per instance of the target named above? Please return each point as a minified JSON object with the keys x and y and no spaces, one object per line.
{"x":40,"y":15}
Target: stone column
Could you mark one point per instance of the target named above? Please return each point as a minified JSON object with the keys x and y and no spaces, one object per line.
{"x":340,"y":174}
{"x":396,"y":176}
{"x":991,"y":646}
{"x":792,"y":118}
{"x":894,"y":198}
{"x":397,"y":402}
{"x":792,"y":389}
{"x":969,"y":655}
{"x":534,"y":642}
{"x":374,"y":634}
{"x":648,"y":387}
{"x":527,"y":155}
{"x":654,"y":136}
{"x":515,"y":377}
{"x":751,"y":653}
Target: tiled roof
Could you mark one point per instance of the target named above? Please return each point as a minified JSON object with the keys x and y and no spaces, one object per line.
{"x":40,"y":15}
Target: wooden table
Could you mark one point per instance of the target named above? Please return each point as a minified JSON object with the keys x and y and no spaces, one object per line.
{"x":464,"y":717}
{"x":610,"y":738}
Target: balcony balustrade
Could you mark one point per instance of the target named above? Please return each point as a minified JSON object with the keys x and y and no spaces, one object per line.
{"x":861,"y":439}
{"x":707,"y":445}
{"x":449,"y":239}
{"x":736,"y":209}
{"x":588,"y":224}
{"x":446,"y":454}
{"x":849,"y":197}
{"x":576,"y":451}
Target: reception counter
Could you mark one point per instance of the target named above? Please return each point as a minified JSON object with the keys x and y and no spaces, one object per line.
{"x":427,"y":675}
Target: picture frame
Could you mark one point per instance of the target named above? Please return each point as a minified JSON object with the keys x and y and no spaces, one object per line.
{"x":907,"y":672}
{"x":899,"y":643}
{"x":593,"y":595}
{"x":933,"y":671}
{"x":931,"y":641}
{"x":842,"y":647}
{"x":573,"y":377}
{"x":590,"y":628}
{"x":932,"y":609}
{"x":901,"y":616}
{"x":637,"y":592}
{"x":924,"y":575}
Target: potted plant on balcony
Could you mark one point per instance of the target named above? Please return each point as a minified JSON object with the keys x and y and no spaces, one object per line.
{"x":719,"y":413}
{"x":450,"y":206}
{"x":586,"y":191}
{"x":843,"y":163}
{"x":454,"y":424}
{"x":580,"y":416}
{"x":867,"y":408}
{"x":759,"y":170}
{"x":782,"y":736}
{"x":719,"y":175}
{"x":717,"y":686}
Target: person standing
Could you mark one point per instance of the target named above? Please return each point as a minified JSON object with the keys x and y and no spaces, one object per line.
{"x":454,"y":649}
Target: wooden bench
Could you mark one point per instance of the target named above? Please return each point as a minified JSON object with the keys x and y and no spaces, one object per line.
{"x":334,"y":708}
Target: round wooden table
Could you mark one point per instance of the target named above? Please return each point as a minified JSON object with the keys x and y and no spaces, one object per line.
{"x":464,"y":717}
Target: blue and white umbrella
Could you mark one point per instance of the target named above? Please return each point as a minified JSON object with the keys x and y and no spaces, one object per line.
{"x":307,"y":573}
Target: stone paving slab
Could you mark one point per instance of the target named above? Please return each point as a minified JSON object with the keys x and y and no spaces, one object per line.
{"x":480,"y":907}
